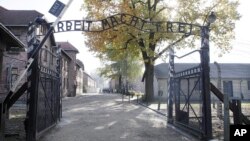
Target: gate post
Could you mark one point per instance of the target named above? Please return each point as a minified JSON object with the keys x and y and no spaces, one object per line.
{"x":170,"y":85}
{"x":2,"y":122}
{"x":30,"y":121}
{"x":32,"y":101}
{"x":58,"y":88}
{"x":236,"y":102}
{"x":205,"y":79}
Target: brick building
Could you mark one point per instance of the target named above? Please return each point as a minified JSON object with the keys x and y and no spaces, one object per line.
{"x":7,"y":41}
{"x":89,"y":83}
{"x":14,"y":32}
{"x":71,"y":51}
{"x":14,"y":60}
{"x":13,"y":25}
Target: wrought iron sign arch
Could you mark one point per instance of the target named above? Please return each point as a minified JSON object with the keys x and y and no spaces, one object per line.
{"x":129,"y":20}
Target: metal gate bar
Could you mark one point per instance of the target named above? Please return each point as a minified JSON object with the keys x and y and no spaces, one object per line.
{"x":43,"y":92}
{"x":181,"y":89}
{"x":186,"y":75}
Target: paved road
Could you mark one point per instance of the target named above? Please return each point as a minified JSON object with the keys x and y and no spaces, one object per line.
{"x":104,"y":117}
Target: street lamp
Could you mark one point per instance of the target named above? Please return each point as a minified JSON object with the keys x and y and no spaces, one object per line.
{"x":211,"y":18}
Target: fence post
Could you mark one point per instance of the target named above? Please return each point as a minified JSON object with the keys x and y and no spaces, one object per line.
{"x":205,"y":79}
{"x":170,"y":85}
{"x":226,"y":117}
{"x":2,"y":122}
{"x":237,"y":111}
{"x":128,"y":96}
{"x":160,"y":93}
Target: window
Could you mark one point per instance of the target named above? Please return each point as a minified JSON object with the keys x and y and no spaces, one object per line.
{"x":52,"y":57}
{"x":14,"y":75}
{"x":64,"y":83}
{"x":248,"y":85}
{"x":67,"y":83}
{"x":41,"y":30}
{"x":13,"y":50}
{"x":228,"y":88}
{"x":46,"y":54}
{"x":65,"y":64}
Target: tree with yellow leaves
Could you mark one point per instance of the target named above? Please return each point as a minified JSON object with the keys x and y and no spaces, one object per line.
{"x":147,"y":44}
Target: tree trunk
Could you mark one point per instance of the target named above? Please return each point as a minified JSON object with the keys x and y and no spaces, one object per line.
{"x":149,"y":82}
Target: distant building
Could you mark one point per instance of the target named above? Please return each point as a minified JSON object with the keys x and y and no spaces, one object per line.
{"x":235,"y":78}
{"x":114,"y":85}
{"x":79,"y":77}
{"x":65,"y":59}
{"x":135,"y":85}
{"x":70,"y":79}
{"x":89,"y":83}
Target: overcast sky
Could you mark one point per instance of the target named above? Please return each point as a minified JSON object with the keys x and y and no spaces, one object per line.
{"x":239,"y":54}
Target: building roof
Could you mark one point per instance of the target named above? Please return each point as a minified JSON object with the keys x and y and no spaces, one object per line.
{"x":17,"y":17}
{"x":64,"y":53}
{"x":66,"y":46}
{"x":80,"y":63}
{"x":228,"y":70}
{"x":9,"y":37}
{"x":2,"y":9}
{"x":85,"y":73}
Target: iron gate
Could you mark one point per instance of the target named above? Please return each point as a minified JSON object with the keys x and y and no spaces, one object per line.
{"x":44,"y":100}
{"x":188,"y":100}
{"x":48,"y":98}
{"x":189,"y":90}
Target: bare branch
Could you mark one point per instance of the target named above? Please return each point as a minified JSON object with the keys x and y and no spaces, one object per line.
{"x":126,"y":44}
{"x":133,"y":4}
{"x":140,"y":2}
{"x":163,"y":8}
{"x":132,"y":35}
{"x":154,"y":5}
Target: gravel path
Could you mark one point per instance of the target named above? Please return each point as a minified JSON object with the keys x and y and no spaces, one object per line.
{"x":104,"y":117}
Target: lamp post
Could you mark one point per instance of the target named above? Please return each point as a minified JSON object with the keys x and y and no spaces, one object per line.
{"x":205,"y":77}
